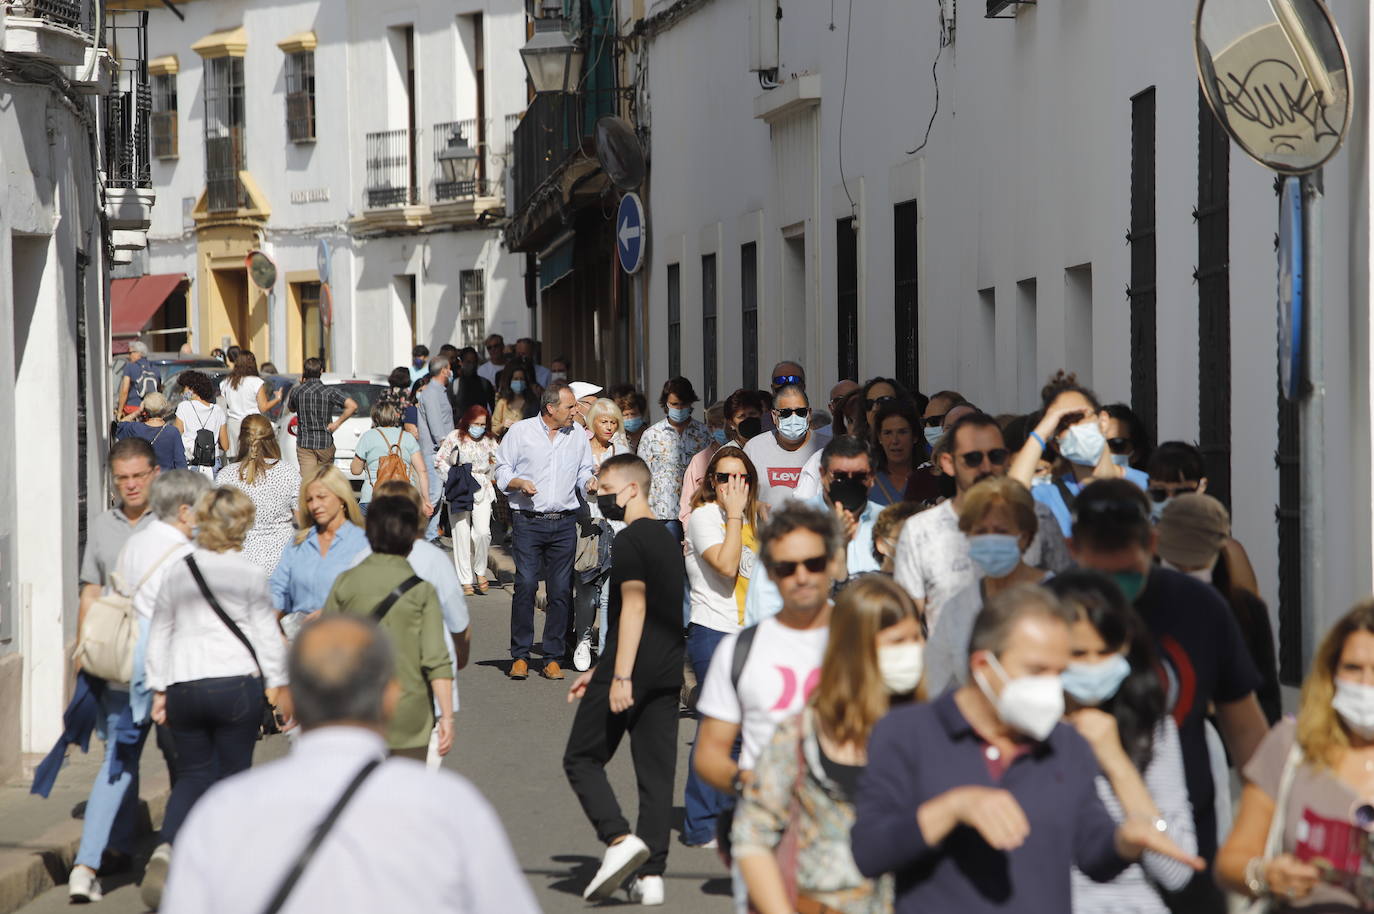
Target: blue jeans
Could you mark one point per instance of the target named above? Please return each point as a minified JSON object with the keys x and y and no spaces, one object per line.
{"x":214,"y":724}
{"x":436,"y":498}
{"x":112,"y":810}
{"x":702,"y":802}
{"x":547,"y":544}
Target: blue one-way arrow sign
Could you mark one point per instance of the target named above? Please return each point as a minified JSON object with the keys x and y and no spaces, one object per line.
{"x":631,"y":233}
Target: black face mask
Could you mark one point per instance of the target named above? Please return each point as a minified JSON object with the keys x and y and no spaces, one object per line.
{"x":851,"y":494}
{"x":750,"y":427}
{"x":469,"y":370}
{"x":609,"y":509}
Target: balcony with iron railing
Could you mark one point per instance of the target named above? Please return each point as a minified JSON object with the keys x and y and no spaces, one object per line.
{"x":54,"y":31}
{"x":465,"y":164}
{"x":67,"y":13}
{"x":391,"y":178}
{"x":126,"y":112}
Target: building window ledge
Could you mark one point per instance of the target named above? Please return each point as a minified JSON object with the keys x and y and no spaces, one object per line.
{"x":126,"y":240}
{"x":167,"y":65}
{"x":130,"y":208}
{"x":96,"y":74}
{"x":792,"y":97}
{"x":42,"y":39}
{"x":226,"y":43}
{"x":301,"y":41}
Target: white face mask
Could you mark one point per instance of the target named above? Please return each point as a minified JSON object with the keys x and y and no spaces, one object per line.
{"x":1200,"y":574}
{"x":1031,"y":705}
{"x":901,"y":666}
{"x":1354,"y":702}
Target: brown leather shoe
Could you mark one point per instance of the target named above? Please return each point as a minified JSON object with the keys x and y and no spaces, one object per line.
{"x":519,"y":670}
{"x":552,"y":670}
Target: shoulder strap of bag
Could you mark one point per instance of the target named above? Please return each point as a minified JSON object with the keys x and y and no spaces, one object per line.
{"x":1064,"y":493}
{"x":165,"y":556}
{"x":1273,"y":844}
{"x":219,"y":611}
{"x":308,"y":852}
{"x":384,"y":607}
{"x":743,"y":644}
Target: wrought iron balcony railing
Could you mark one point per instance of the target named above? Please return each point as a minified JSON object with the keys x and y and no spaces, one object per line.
{"x":128,"y":108}
{"x":391,"y":169}
{"x":58,"y":12}
{"x":479,"y":177}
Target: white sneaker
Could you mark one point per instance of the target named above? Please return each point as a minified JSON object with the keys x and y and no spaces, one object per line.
{"x":582,"y":656}
{"x":620,"y":861}
{"x":83,"y":885}
{"x":155,"y":876}
{"x":646,"y":890}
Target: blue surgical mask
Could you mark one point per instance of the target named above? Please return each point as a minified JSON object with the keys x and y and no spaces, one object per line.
{"x":794,"y":427}
{"x":517,"y":386}
{"x":719,"y":435}
{"x":933,"y":436}
{"x":996,"y":554}
{"x":634,"y":424}
{"x":680,"y":415}
{"x":1083,"y":444}
{"x":1122,"y":460}
{"x":1093,"y":683}
{"x":476,"y":431}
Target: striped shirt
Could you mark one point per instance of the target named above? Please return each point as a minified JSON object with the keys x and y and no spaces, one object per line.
{"x":315,"y":406}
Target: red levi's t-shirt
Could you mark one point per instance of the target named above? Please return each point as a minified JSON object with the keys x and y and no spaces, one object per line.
{"x":779,"y":469}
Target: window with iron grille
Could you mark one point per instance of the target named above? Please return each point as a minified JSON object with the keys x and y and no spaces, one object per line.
{"x":1142,"y":292}
{"x":165,"y":116}
{"x":905,"y":293}
{"x":224,"y":134}
{"x":749,"y":312}
{"x":300,"y":97}
{"x":472,"y":313}
{"x":674,"y":320}
{"x":847,"y":295}
{"x":708,"y":325}
{"x":1213,"y":217}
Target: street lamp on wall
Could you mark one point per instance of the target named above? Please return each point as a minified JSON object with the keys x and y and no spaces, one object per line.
{"x":458,"y":161}
{"x":552,"y":59}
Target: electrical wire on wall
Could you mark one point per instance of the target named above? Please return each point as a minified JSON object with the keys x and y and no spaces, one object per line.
{"x":844,"y":95}
{"x":946,"y":39}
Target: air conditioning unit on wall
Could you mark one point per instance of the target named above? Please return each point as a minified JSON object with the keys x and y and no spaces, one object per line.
{"x":763,"y":32}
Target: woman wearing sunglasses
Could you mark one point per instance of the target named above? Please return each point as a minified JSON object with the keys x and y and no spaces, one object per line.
{"x":1308,"y":786}
{"x":1074,"y":419}
{"x":722,"y":544}
{"x":791,"y":831}
{"x":998,"y":518}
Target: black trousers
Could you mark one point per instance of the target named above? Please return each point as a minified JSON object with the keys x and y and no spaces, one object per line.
{"x":596,"y":734}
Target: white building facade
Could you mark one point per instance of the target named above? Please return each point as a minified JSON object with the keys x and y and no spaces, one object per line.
{"x":1056,"y":215}
{"x":279,"y":126}
{"x":74,"y":201}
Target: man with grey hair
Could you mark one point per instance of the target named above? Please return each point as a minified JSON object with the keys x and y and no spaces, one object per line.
{"x":434,"y":419}
{"x":542,"y":464}
{"x":137,"y":380}
{"x":111,"y":812}
{"x":405,"y":839}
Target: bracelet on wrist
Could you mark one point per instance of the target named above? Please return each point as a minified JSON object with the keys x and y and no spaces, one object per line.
{"x":620,"y":678}
{"x":1035,"y":436}
{"x":729,"y":517}
{"x":1254,"y":877}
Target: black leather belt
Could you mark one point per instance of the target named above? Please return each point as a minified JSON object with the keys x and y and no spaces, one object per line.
{"x":544,"y":515}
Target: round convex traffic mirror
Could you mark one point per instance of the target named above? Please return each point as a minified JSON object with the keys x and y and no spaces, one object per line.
{"x":1277,"y":76}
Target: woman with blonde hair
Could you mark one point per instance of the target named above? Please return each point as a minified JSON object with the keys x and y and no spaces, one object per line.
{"x":803,"y":785}
{"x":245,"y":394}
{"x":213,"y":648}
{"x":998,"y":517}
{"x":1308,"y":786}
{"x":330,"y":544}
{"x":272,"y":484}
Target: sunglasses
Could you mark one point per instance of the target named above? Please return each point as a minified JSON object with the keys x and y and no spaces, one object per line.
{"x":934,"y":421}
{"x":782,"y":379}
{"x":1160,"y":495}
{"x":786,"y":569}
{"x":722,"y":478}
{"x":879,"y":401}
{"x":853,"y":475}
{"x":802,"y":411}
{"x":974,"y":459}
{"x":1120,"y":445}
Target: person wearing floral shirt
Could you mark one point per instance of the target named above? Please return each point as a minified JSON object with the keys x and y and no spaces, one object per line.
{"x":469,"y":443}
{"x":668,"y":447}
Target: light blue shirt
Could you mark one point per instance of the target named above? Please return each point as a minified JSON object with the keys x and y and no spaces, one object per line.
{"x":1052,"y":498}
{"x":559,"y":468}
{"x":304,"y":578}
{"x":763,"y":599}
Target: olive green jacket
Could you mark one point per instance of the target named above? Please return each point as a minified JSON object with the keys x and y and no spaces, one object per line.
{"x":415,"y":625}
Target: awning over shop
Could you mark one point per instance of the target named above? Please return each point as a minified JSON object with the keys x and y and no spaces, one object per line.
{"x":556,"y":261}
{"x":133,"y":302}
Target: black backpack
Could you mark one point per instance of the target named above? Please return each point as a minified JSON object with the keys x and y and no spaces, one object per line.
{"x":203,"y":448}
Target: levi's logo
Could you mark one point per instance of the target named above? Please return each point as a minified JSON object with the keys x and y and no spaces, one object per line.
{"x":784,"y":476}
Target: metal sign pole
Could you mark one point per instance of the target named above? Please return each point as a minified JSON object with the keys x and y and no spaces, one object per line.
{"x":1312,"y":420}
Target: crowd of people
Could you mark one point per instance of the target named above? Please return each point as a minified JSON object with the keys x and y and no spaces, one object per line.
{"x":940,"y":658}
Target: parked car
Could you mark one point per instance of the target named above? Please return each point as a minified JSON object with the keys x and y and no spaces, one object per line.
{"x":365,"y":391}
{"x":167,"y":365}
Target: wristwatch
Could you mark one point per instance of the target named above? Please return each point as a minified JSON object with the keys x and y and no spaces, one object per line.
{"x":1254,"y":877}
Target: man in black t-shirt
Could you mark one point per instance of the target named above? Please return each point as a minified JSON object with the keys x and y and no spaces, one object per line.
{"x":634,"y":687}
{"x":1207,"y":664}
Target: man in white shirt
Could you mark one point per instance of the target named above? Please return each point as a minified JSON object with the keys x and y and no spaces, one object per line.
{"x":542,"y":464}
{"x":496,"y":359}
{"x":800,"y":548}
{"x":110,"y":823}
{"x":408,"y":839}
{"x":932,"y":560}
{"x":779,"y":455}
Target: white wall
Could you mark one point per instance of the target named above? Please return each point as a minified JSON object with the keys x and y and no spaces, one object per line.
{"x":1027,"y":174}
